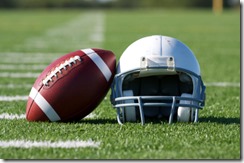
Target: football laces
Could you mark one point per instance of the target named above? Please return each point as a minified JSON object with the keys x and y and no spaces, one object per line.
{"x":58,"y":69}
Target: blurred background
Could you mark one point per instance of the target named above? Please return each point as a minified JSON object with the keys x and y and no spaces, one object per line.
{"x":33,"y":33}
{"x":123,"y":4}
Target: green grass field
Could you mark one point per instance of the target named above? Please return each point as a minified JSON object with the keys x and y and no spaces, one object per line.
{"x":32,"y":39}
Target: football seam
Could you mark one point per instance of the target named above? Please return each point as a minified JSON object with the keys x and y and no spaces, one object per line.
{"x":59,"y":68}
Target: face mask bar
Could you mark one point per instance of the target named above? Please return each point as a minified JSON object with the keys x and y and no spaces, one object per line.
{"x":139,"y":101}
{"x":119,"y":102}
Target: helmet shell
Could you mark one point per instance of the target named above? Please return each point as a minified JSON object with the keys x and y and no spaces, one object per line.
{"x":158,"y":46}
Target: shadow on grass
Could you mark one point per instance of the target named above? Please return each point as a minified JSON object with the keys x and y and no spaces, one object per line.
{"x":99,"y":121}
{"x":221,"y":120}
{"x":114,"y":121}
{"x":210,"y":119}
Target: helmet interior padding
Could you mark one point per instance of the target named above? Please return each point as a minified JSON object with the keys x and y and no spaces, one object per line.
{"x":162,"y":85}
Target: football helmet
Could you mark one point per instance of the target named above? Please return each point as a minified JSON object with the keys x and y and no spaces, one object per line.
{"x":157,"y":76}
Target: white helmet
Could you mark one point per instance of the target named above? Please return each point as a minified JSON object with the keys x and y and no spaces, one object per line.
{"x":157,"y":76}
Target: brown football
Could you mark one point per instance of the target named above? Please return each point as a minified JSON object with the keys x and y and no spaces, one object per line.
{"x":72,"y":86}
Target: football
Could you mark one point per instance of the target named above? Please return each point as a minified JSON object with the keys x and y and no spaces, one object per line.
{"x":72,"y":86}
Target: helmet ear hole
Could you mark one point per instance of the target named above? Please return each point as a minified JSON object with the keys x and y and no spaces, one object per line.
{"x":184,"y":113}
{"x":129,"y":111}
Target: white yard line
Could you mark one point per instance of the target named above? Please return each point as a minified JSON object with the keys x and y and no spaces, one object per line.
{"x":14,"y":86}
{"x":48,"y":144}
{"x":22,"y":67}
{"x":90,"y":116}
{"x":10,"y":116}
{"x":19,"y":74}
{"x":222,"y":84}
{"x":13,"y":98}
{"x":20,"y":57}
{"x":23,"y":55}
